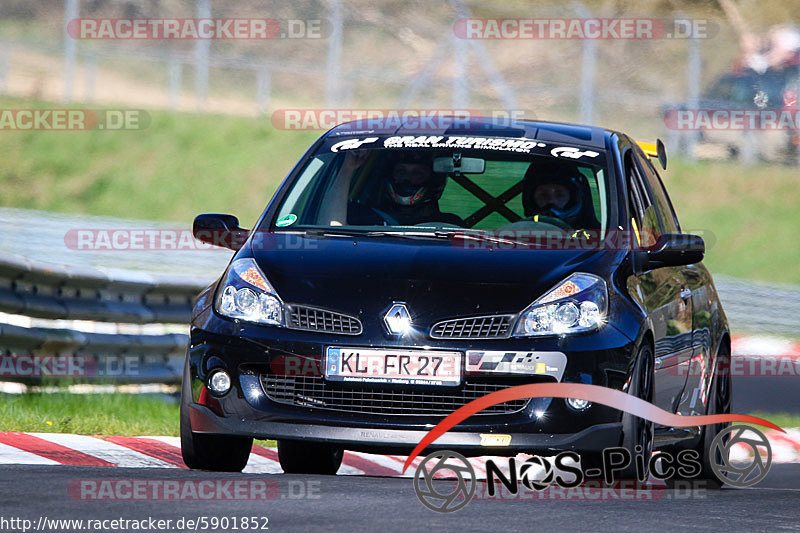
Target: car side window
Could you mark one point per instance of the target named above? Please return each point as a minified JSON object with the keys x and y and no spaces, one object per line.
{"x":645,"y":218}
{"x":662,"y":201}
{"x":298,"y":201}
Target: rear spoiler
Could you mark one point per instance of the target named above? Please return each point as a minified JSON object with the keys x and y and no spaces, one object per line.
{"x":656,"y":150}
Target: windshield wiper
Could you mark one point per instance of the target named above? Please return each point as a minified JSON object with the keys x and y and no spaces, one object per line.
{"x":343,"y":232}
{"x":437,"y":234}
{"x":331,"y":232}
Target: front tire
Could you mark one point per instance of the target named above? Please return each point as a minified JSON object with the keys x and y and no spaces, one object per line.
{"x":298,"y":457}
{"x":719,"y":403}
{"x":217,"y":453}
{"x":637,"y":433}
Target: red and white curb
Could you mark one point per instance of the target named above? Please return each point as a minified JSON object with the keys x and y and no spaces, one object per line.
{"x":164,"y":452}
{"x":161,"y":452}
{"x":785,"y":446}
{"x":765,"y":346}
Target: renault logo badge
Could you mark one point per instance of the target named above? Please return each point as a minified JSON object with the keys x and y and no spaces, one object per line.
{"x":398,"y":319}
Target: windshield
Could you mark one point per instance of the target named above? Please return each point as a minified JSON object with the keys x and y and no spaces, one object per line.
{"x":435,"y":183}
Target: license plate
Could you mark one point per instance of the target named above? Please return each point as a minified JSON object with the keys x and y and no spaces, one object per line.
{"x":407,"y":367}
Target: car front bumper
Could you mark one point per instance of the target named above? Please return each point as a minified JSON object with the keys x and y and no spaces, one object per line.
{"x":543,"y":425}
{"x":403,"y":441}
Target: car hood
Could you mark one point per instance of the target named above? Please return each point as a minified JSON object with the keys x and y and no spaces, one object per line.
{"x":436,"y":278}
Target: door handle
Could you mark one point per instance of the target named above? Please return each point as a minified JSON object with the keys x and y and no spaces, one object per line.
{"x":686,"y":292}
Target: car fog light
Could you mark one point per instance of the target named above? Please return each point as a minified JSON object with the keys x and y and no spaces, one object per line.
{"x":578,"y":404}
{"x":219,"y":382}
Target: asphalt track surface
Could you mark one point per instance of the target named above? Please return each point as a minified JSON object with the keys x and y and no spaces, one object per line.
{"x":766,"y":394}
{"x":353,"y":503}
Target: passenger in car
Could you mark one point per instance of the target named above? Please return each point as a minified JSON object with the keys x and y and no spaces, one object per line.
{"x":557,"y":189}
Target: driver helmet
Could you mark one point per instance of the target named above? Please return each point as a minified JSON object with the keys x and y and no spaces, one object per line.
{"x":412,"y":180}
{"x":554,"y":188}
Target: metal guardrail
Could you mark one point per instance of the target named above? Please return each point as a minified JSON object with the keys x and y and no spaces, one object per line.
{"x":58,"y":292}
{"x":120,"y":313}
{"x":94,"y":356}
{"x":758,"y":307}
{"x":44,"y":290}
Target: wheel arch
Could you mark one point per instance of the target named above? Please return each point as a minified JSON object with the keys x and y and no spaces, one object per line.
{"x":722,"y":346}
{"x":645,"y":336}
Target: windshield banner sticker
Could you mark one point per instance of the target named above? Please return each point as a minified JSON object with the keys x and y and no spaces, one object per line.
{"x":572,"y":152}
{"x":500,"y":144}
{"x":477,"y":143}
{"x":351,"y":144}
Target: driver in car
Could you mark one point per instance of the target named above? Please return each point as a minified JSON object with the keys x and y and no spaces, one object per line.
{"x":410,"y":196}
{"x":556,"y":192}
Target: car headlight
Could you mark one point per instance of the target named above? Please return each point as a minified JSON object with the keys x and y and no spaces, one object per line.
{"x":579,"y":303}
{"x":247,"y":295}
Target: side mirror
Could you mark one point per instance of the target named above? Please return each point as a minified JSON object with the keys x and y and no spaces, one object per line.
{"x":219,"y":230}
{"x":661,"y":150}
{"x":672,"y":250}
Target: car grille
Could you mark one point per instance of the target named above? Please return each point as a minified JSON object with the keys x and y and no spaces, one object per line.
{"x":313,"y":319}
{"x":305,"y":391}
{"x":480,"y":327}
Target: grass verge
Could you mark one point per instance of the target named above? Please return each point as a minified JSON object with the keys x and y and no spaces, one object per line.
{"x":93,"y":414}
{"x":179,"y":165}
{"x":89,"y":414}
{"x":784,"y":420}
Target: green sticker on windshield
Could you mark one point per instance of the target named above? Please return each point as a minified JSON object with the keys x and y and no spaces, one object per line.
{"x":286,"y":220}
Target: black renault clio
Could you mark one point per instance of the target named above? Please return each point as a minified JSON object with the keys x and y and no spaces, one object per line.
{"x":400,"y":273}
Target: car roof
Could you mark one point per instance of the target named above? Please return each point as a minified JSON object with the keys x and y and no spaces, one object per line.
{"x":558,"y":132}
